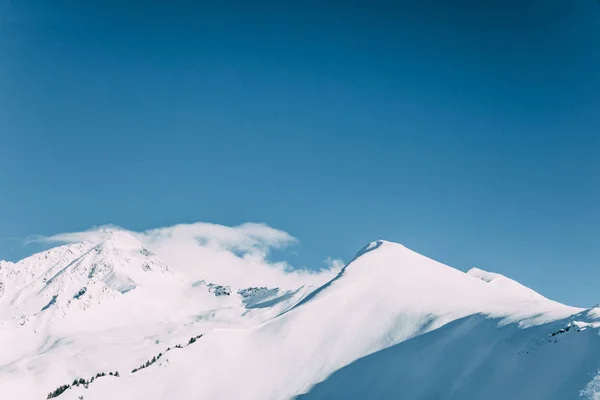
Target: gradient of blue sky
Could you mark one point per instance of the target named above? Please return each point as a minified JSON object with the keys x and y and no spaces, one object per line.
{"x":468,"y":131}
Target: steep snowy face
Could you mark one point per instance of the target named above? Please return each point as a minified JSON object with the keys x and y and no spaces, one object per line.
{"x":54,"y":278}
{"x":31,"y":268}
{"x":27,"y":277}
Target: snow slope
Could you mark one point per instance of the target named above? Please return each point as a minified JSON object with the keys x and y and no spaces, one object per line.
{"x":473,"y":358}
{"x":391,"y":324}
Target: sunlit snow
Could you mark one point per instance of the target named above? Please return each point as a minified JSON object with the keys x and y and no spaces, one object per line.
{"x":391,"y":324}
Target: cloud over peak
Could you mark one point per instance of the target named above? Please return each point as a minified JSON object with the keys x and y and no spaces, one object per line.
{"x":232,"y":255}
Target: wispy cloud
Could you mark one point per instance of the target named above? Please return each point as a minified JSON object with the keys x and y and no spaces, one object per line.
{"x":235,"y":255}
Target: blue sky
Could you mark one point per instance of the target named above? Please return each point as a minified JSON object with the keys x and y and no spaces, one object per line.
{"x":469,"y":133}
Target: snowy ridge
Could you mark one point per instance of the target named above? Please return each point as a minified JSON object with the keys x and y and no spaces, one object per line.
{"x":381,"y":328}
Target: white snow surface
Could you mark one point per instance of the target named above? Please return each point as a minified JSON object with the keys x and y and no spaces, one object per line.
{"x":391,"y":324}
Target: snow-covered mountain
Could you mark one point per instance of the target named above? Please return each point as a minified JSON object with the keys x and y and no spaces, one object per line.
{"x":391,"y":324}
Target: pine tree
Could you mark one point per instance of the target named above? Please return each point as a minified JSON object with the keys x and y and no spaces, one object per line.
{"x":117,"y":373}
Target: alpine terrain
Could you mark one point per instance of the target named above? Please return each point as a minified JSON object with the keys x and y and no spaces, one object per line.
{"x":109,"y":319}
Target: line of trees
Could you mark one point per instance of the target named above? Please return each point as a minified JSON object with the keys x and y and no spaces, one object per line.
{"x":149,"y":362}
{"x":193,"y":339}
{"x":78,"y":382}
{"x":159,"y":355}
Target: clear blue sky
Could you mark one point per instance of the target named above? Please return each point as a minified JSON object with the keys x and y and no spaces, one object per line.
{"x":469,"y":131}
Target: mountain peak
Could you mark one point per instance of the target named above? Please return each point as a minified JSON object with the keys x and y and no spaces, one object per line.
{"x":119,"y":238}
{"x":368,"y":247}
{"x":374,"y":245}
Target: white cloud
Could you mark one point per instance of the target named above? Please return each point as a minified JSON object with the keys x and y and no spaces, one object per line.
{"x":334,"y":263}
{"x":232,"y":255}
